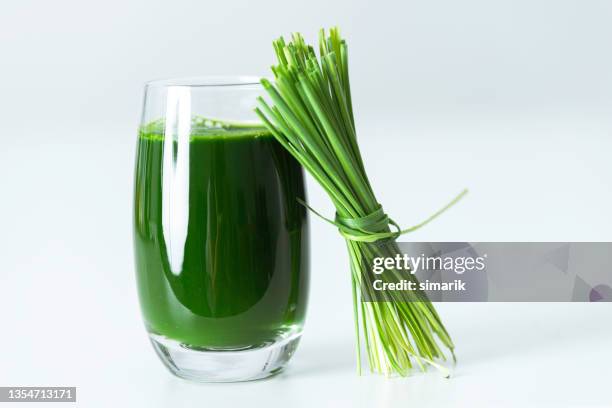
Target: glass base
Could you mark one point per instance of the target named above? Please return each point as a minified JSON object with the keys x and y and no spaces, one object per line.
{"x":214,"y":365}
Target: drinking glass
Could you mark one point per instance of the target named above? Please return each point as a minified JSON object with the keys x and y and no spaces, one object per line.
{"x":220,"y":239}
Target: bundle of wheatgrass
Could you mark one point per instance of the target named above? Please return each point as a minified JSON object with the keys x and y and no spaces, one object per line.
{"x":311,"y":115}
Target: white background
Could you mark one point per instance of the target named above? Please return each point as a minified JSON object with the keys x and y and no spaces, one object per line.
{"x":509,"y":98}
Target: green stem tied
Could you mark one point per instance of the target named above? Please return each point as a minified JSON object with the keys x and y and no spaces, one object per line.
{"x":310,"y":114}
{"x":375,"y":226}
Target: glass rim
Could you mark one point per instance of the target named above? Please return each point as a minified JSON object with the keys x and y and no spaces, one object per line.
{"x":208,"y":81}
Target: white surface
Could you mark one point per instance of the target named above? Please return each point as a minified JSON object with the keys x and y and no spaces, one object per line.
{"x":509,"y":98}
{"x":70,"y":314}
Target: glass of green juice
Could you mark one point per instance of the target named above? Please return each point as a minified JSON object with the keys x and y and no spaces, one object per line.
{"x":220,"y":237}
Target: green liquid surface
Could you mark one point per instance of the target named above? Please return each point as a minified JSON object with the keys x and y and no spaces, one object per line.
{"x":221,"y":243}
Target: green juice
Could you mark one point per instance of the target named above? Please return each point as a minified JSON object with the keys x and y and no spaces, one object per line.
{"x":221,"y":241}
